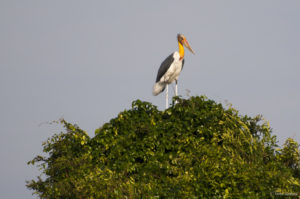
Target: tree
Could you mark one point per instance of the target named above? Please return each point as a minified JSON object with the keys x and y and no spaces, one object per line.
{"x":195,"y":149}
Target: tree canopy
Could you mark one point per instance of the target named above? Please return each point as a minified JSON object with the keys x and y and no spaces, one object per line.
{"x":197,"y":148}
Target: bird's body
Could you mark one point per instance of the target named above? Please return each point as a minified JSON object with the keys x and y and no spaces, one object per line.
{"x":170,"y":68}
{"x":168,"y":72}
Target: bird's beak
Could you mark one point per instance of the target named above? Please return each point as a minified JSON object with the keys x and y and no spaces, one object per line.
{"x":186,"y":44}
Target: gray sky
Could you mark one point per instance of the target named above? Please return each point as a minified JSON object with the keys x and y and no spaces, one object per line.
{"x":88,"y":60}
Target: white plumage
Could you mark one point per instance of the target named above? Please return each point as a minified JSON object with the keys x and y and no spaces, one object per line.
{"x":170,"y":76}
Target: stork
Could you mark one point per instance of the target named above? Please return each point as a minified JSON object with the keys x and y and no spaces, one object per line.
{"x":170,"y":69}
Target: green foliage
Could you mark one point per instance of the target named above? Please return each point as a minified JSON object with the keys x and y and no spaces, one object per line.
{"x":195,"y":149}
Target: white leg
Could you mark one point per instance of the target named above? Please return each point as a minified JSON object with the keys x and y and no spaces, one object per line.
{"x":167,"y":96}
{"x":176,"y":88}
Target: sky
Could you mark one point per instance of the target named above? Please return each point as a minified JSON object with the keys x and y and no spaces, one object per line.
{"x":86,"y":61}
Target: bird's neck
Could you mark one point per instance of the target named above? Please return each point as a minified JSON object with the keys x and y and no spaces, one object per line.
{"x":181,"y":50}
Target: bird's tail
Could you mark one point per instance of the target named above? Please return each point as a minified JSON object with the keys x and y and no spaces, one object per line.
{"x":158,"y":88}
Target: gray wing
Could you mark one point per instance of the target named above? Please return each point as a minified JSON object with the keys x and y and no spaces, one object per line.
{"x":182,"y":64}
{"x":164,"y":67}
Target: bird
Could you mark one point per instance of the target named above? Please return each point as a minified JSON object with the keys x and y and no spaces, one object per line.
{"x":170,"y":68}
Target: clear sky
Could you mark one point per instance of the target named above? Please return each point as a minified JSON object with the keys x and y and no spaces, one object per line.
{"x":88,"y":60}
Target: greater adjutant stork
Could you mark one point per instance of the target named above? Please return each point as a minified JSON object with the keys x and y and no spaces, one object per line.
{"x":170,"y":69}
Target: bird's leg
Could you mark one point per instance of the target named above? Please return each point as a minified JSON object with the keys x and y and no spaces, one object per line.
{"x":167,"y":96}
{"x":176,"y":88}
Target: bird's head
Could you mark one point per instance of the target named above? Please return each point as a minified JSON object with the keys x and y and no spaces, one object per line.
{"x":181,"y":39}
